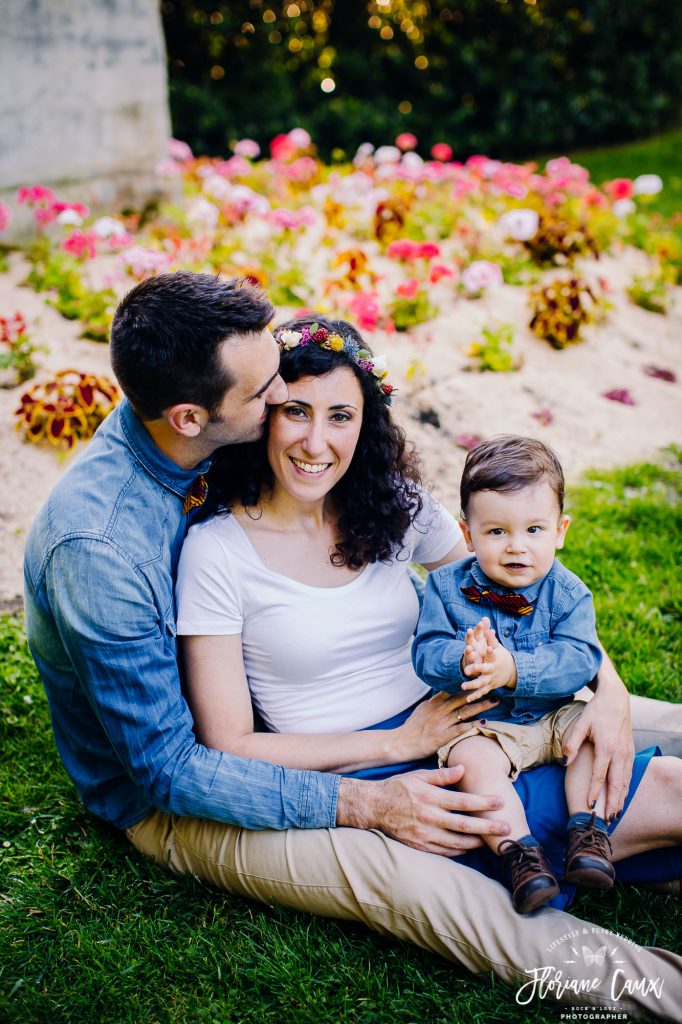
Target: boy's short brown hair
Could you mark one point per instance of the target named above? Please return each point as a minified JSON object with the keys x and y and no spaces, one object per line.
{"x":509,"y":463}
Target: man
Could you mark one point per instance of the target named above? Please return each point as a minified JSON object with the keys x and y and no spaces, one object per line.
{"x":199,"y":367}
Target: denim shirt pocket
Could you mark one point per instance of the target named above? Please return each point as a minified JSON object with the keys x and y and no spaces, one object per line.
{"x":531,"y":641}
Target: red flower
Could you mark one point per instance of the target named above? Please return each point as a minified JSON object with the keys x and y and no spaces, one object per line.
{"x":619,"y":188}
{"x":441,"y":151}
{"x":321,"y":334}
{"x":621,"y":395}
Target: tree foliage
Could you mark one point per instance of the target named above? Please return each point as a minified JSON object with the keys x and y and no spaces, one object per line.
{"x":507,"y":77}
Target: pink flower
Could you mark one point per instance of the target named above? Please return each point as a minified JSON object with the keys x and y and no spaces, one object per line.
{"x":621,"y":395}
{"x":438,"y":271}
{"x":468,"y":441}
{"x":80,"y":208}
{"x":179,"y":151}
{"x":299,"y":138}
{"x":141,"y":262}
{"x":481,"y":274}
{"x":619,"y":188}
{"x":5,"y":216}
{"x":409,"y":289}
{"x":80,"y":244}
{"x":428,"y":250}
{"x":441,"y":151}
{"x":282,"y":148}
{"x":167,"y":169}
{"x":406,"y":140}
{"x":543,"y":416}
{"x":235,"y":167}
{"x":35,"y":194}
{"x":402,"y":249}
{"x":365,"y":309}
{"x":44,"y":214}
{"x":659,"y":374}
{"x":247,"y":148}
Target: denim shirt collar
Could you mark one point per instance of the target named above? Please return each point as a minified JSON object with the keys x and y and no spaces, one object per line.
{"x":158,"y":465}
{"x":482,"y":580}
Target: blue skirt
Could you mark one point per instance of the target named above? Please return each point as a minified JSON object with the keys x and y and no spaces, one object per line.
{"x":542,"y":793}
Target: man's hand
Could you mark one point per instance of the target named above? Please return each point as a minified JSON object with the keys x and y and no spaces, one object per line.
{"x":417,"y":810}
{"x":606,"y":723}
{"x":496,"y":667}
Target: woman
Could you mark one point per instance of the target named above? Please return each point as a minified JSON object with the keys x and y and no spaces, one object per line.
{"x":300,"y":600}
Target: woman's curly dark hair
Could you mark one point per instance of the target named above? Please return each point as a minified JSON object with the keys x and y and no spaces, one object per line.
{"x":379,"y":495}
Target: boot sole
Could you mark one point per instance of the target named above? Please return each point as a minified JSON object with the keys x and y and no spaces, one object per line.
{"x":590,"y":878}
{"x":537,"y":899}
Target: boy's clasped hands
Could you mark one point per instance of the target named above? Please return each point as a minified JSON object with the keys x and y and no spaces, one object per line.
{"x":486,"y":662}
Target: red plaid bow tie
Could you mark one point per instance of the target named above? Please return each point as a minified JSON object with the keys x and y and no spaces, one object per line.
{"x":197,"y":495}
{"x":513,"y":604}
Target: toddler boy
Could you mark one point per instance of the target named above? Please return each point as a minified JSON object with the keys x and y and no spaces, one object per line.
{"x":535,"y":648}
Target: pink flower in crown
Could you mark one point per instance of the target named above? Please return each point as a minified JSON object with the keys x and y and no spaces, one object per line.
{"x":247,"y":148}
{"x":441,"y":151}
{"x":481,"y":274}
{"x":409,"y":289}
{"x":406,"y":140}
{"x":81,"y":244}
{"x":5,"y":216}
{"x":179,"y":151}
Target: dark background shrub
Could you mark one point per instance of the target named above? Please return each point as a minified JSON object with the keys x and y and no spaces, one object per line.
{"x":505,"y":77}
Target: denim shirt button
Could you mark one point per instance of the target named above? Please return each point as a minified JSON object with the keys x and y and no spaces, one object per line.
{"x":507,"y":632}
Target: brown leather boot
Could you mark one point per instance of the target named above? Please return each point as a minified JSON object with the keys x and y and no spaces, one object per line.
{"x":588,"y":857}
{"x":533,"y":882}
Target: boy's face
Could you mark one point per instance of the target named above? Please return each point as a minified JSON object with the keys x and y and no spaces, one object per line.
{"x":515,"y":534}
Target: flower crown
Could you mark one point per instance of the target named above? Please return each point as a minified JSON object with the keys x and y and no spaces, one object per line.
{"x":376,"y":366}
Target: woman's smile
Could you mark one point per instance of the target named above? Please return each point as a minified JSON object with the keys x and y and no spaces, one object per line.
{"x":312,"y":436}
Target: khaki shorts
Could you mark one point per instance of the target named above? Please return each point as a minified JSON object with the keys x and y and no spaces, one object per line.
{"x":525,"y":745}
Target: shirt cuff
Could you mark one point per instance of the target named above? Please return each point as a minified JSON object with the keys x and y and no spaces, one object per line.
{"x":526,"y":676}
{"x":319,"y":797}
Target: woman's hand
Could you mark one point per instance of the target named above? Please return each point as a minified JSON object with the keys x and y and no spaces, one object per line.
{"x":434,"y":722}
{"x":605,"y":721}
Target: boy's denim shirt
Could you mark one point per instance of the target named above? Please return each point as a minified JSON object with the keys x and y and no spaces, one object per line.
{"x":99,"y":570}
{"x":555,"y":647}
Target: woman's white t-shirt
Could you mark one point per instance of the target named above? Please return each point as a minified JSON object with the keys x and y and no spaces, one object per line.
{"x":317,"y":659}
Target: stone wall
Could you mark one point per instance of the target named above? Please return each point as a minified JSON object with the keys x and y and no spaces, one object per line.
{"x":83,"y":96}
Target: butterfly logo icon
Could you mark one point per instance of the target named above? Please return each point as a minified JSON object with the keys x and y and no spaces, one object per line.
{"x":596,"y":958}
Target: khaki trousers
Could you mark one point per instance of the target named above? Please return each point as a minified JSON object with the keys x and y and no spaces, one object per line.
{"x":434,"y":902}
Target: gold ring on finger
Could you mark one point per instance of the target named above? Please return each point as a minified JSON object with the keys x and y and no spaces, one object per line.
{"x":458,"y":715}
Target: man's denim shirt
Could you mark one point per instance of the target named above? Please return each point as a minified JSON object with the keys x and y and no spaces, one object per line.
{"x":555,"y":647}
{"x":99,"y":570}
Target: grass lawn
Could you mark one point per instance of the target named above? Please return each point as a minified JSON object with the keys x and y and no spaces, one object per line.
{"x":91,"y":932}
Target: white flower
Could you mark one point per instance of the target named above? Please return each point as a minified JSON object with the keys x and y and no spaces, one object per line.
{"x":411,"y":160}
{"x":70,"y":217}
{"x":248,"y":148}
{"x":217,"y":186}
{"x":520,"y":225}
{"x":108,"y":227}
{"x":290,"y":339}
{"x":299,"y":137}
{"x":364,"y":150}
{"x":202,"y":213}
{"x":647,"y":185}
{"x":481,"y":274}
{"x":380,"y":367}
{"x":623,"y":207}
{"x":387,"y":155}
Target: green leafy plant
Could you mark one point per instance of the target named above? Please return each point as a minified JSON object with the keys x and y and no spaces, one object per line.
{"x":411,"y":306}
{"x":66,"y":409}
{"x":494,"y":351}
{"x":17,"y":349}
{"x":562,"y":310}
{"x":650,"y":292}
{"x":95,"y":310}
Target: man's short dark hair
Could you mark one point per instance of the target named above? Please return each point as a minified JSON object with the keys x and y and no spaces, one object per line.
{"x":167,"y":333}
{"x":510,"y":463}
